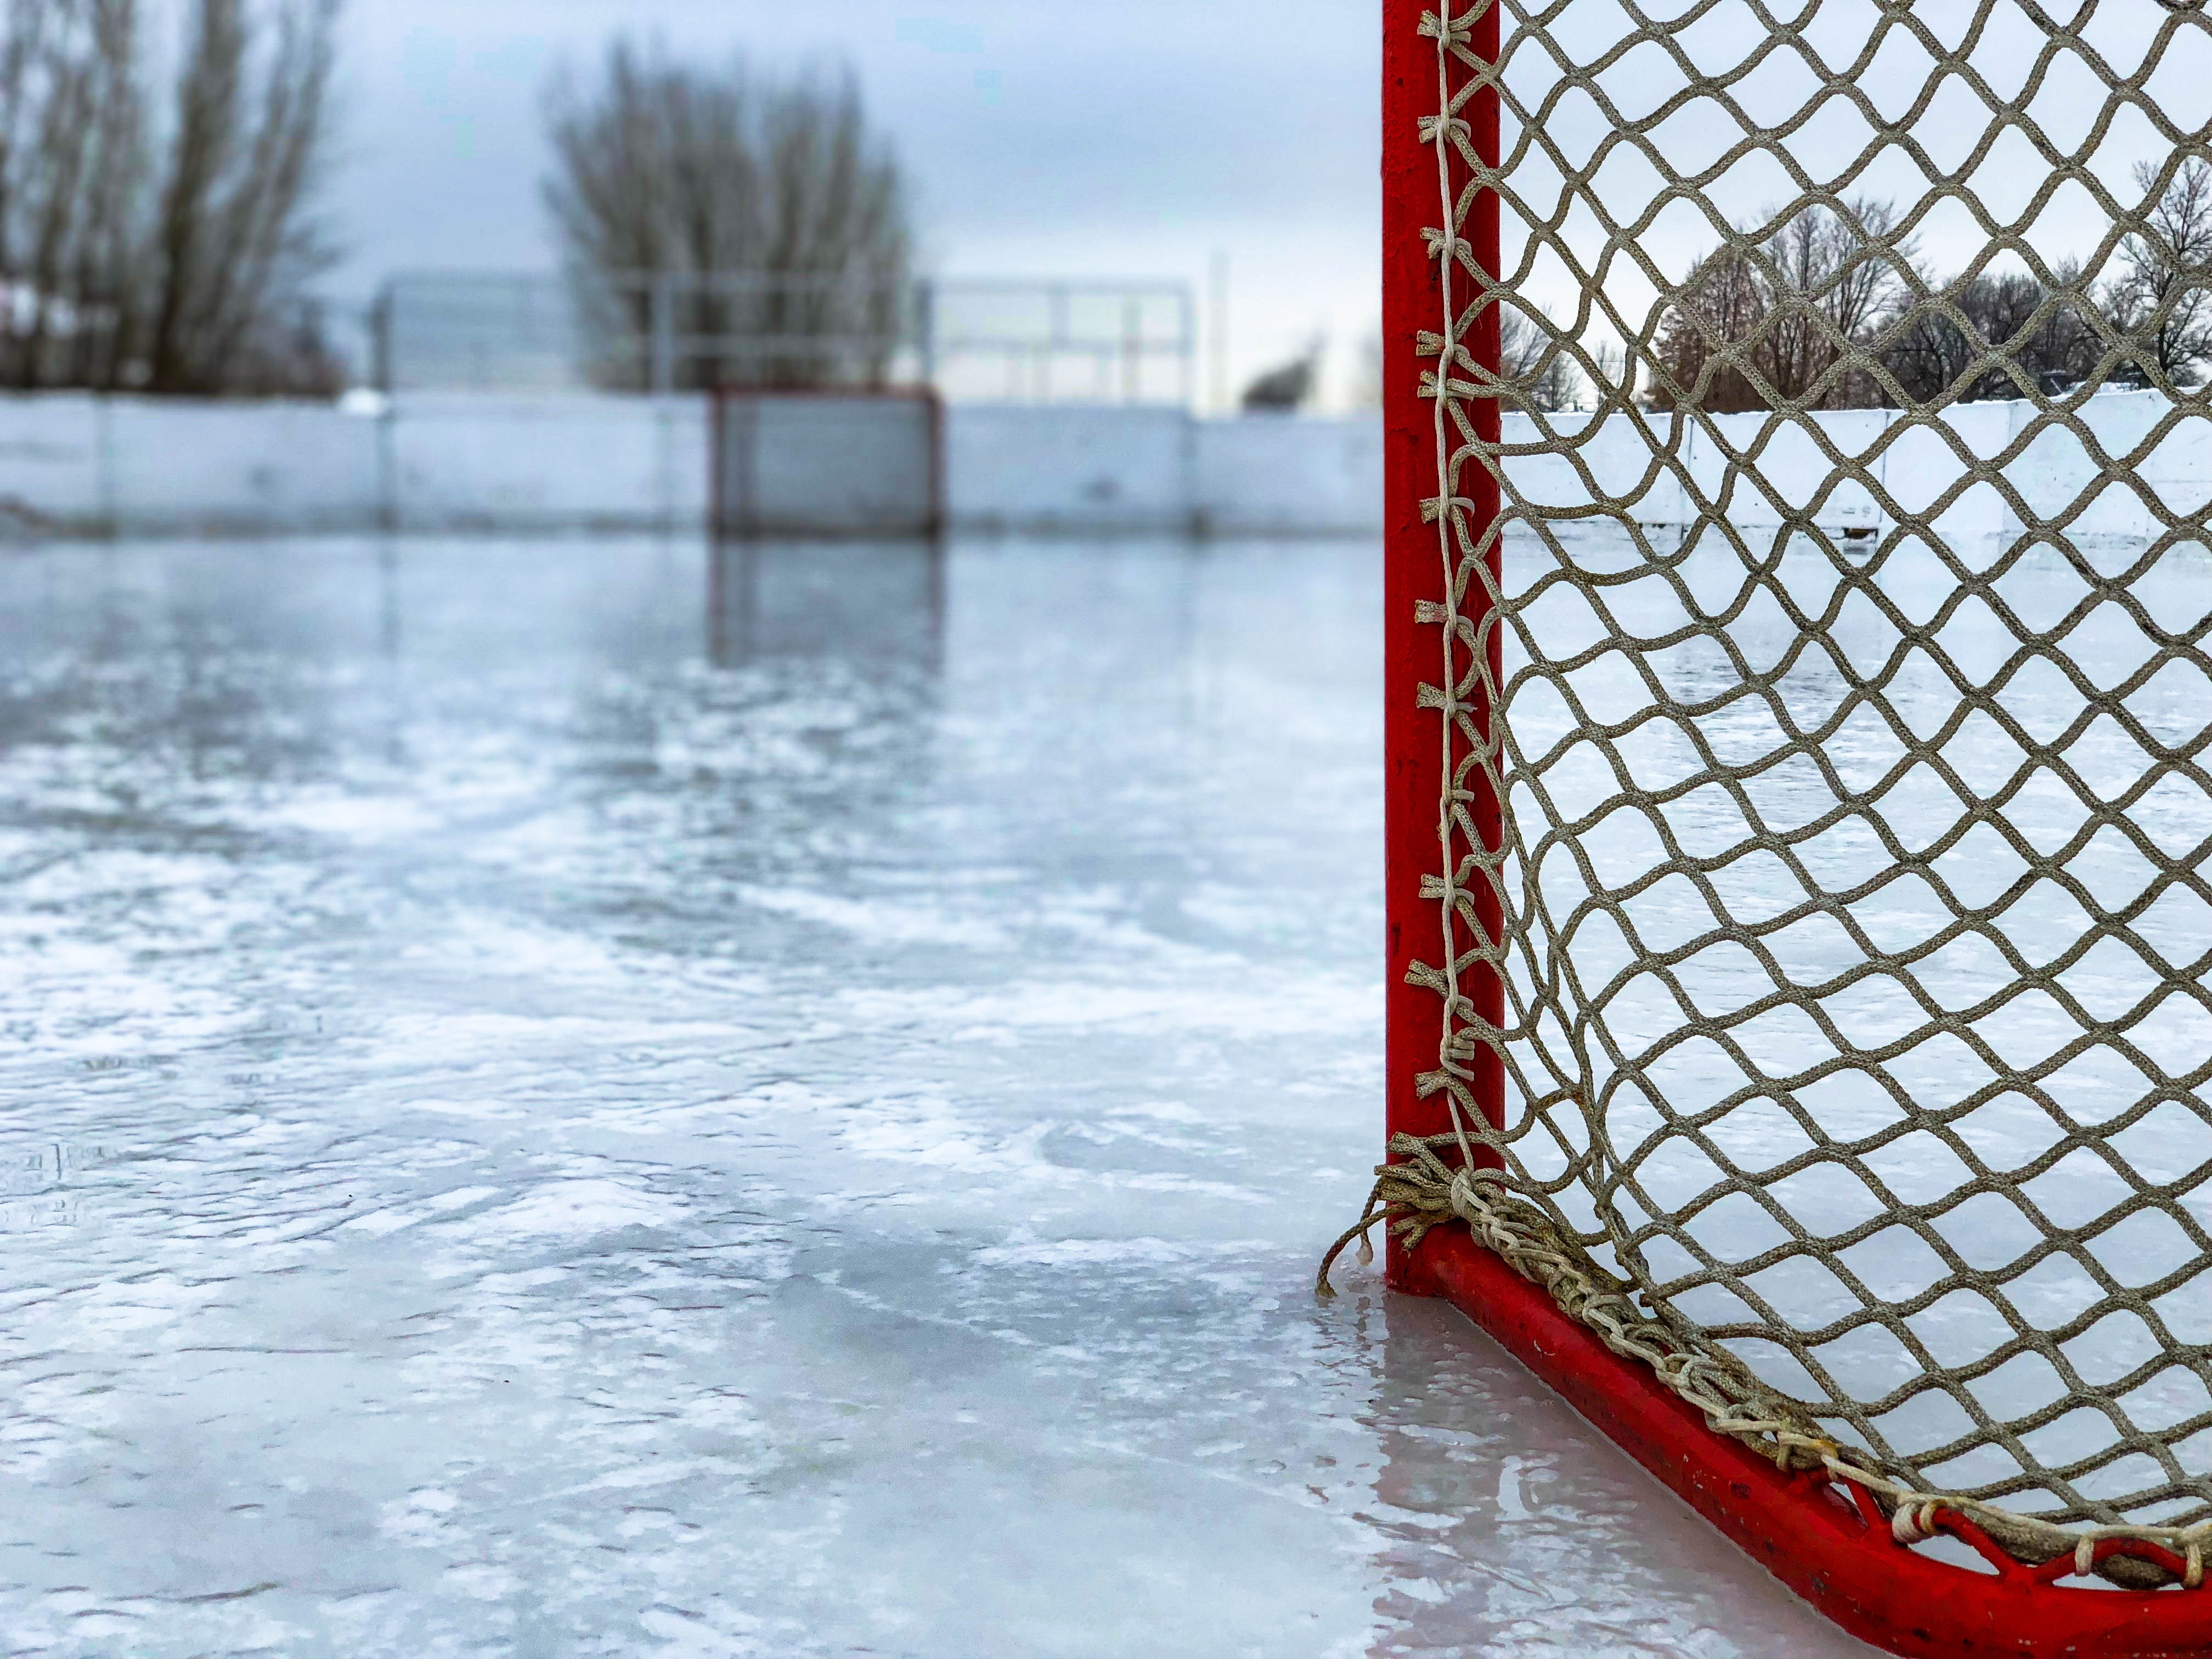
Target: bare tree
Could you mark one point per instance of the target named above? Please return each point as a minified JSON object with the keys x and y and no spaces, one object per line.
{"x":1784,"y":321}
{"x":2045,"y":331}
{"x":61,"y":85}
{"x":1534,"y":360}
{"x":178,"y":265}
{"x":2161,"y":300}
{"x":1613,"y":384}
{"x":2011,"y":336}
{"x":1832,"y":278}
{"x":764,"y":213}
{"x":105,"y":270}
{"x":2001,"y":335}
{"x":232,"y":232}
{"x":1707,"y":339}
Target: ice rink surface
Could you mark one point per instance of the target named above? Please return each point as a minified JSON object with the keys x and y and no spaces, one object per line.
{"x":573,"y":1098}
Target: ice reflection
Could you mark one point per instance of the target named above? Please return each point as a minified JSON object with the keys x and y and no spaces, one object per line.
{"x":862,"y":600}
{"x":1510,"y":1527}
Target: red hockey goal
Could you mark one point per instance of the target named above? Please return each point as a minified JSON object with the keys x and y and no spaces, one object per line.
{"x":1797,"y":595}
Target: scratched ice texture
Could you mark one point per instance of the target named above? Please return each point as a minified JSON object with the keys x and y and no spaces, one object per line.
{"x":584,"y":1098}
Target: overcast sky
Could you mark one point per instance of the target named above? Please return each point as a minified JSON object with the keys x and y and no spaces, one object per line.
{"x":1131,"y":137}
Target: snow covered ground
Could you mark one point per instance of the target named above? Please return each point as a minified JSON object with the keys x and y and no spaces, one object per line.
{"x":559,"y":1101}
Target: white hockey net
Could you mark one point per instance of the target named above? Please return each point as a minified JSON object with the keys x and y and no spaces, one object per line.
{"x":1852,"y":588}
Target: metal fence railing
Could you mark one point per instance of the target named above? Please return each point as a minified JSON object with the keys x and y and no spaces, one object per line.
{"x":1026,"y":340}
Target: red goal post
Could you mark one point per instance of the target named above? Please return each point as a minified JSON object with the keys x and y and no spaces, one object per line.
{"x":1829,"y":1543}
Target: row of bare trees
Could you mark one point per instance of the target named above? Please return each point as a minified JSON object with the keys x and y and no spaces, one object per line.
{"x":1823,"y":314}
{"x":160,"y":168}
{"x":724,"y":228}
{"x":156,"y":212}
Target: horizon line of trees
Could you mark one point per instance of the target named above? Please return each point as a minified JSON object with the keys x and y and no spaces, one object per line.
{"x":1825,"y":314}
{"x":162,"y":164}
{"x":1821,"y":311}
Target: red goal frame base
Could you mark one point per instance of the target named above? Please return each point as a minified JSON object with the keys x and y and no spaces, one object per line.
{"x":1857,"y":1574}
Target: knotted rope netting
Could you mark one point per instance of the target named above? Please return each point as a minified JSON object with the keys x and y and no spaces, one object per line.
{"x":1843,"y":615}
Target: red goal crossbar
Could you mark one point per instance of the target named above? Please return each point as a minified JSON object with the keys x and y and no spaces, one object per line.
{"x":1839,"y":1555}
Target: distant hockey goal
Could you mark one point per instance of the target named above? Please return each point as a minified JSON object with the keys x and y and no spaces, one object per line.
{"x":833,"y":462}
{"x":1797,"y":598}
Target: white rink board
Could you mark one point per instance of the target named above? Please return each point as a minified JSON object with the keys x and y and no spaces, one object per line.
{"x":2050,"y":473}
{"x":516,"y":463}
{"x":74,"y":465}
